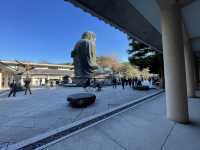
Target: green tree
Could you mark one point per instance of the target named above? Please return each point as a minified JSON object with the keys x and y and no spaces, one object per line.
{"x":108,"y":62}
{"x":144,"y":56}
{"x":128,"y":70}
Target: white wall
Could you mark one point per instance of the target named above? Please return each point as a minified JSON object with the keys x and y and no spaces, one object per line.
{"x":0,"y":80}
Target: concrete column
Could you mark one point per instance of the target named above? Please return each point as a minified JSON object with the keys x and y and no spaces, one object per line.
{"x":197,"y":73}
{"x":174,"y":65}
{"x":189,"y":68}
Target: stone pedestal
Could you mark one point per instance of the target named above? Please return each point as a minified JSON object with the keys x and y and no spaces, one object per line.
{"x":81,"y":99}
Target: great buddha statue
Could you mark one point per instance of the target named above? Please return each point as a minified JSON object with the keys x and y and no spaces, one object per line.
{"x":84,"y":56}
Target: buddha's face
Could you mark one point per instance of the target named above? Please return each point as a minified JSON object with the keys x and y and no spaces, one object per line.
{"x":89,"y":36}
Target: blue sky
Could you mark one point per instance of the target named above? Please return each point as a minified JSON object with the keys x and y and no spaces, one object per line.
{"x":46,"y":30}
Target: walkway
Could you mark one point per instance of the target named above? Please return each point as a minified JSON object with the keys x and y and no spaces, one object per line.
{"x":144,"y":127}
{"x":24,"y":117}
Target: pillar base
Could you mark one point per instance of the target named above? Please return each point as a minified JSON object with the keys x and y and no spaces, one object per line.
{"x":185,"y":121}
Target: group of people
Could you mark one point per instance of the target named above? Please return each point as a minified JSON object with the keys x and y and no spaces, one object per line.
{"x":13,"y":87}
{"x":131,"y":82}
{"x":94,"y":84}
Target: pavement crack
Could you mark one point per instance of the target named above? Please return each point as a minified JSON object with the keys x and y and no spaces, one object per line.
{"x":77,"y":116}
{"x":166,"y":138}
{"x":112,"y":139}
{"x":19,"y":126}
{"x":128,"y":121}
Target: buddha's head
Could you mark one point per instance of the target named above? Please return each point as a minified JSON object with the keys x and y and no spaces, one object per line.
{"x":89,"y":36}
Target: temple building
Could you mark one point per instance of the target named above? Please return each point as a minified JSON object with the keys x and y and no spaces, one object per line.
{"x":40,"y":73}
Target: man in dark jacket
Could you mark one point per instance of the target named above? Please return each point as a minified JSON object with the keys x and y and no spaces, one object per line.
{"x":13,"y":89}
{"x":123,"y":83}
{"x":114,"y":82}
{"x":27,"y":86}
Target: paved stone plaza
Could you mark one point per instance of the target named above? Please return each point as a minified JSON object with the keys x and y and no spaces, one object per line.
{"x":23,"y":117}
{"x":143,"y":127}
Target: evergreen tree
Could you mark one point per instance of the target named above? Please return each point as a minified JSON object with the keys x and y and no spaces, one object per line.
{"x":144,"y":56}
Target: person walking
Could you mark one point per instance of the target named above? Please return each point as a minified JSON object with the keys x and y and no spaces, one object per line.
{"x":130,"y":82}
{"x":13,"y":89}
{"x":139,"y":82}
{"x":87,"y":83}
{"x":46,"y":82}
{"x":40,"y":82}
{"x":123,"y":83}
{"x":51,"y":84}
{"x":27,"y":86}
{"x":133,"y":82}
{"x":114,"y":83}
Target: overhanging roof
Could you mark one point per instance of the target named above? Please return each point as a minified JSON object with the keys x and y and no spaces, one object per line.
{"x":141,"y":18}
{"x":122,"y":15}
{"x":190,"y":16}
{"x":6,"y":68}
